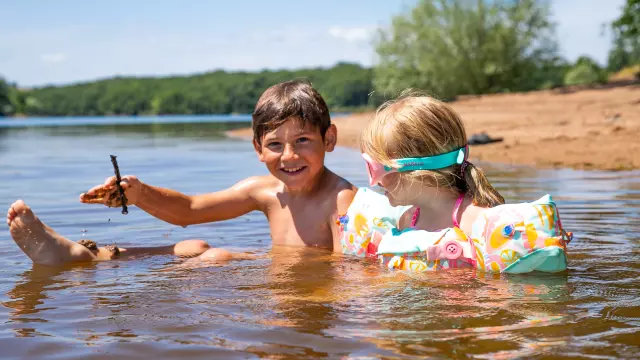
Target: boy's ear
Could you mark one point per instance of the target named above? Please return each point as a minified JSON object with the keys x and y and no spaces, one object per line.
{"x":258,"y":148}
{"x":330,"y":138}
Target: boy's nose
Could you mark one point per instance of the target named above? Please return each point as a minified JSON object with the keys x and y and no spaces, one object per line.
{"x":288,"y":153}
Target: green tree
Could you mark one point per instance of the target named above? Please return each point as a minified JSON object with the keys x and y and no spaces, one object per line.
{"x":6,"y":106}
{"x":619,"y":57}
{"x":18,"y":99}
{"x":626,"y":38}
{"x":582,"y":74}
{"x":452,"y":47}
{"x":628,"y":24}
{"x":598,"y":74}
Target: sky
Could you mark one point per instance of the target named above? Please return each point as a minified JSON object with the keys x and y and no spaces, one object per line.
{"x":65,"y":41}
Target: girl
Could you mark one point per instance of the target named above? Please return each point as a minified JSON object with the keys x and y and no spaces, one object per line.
{"x":415,"y":148}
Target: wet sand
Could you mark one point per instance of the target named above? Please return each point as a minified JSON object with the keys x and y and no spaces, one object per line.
{"x":580,"y":129}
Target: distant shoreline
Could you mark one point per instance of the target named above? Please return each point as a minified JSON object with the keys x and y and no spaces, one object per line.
{"x":23,"y":116}
{"x":591,"y":129}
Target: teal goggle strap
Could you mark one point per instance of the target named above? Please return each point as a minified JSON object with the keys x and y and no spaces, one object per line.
{"x":458,"y":156}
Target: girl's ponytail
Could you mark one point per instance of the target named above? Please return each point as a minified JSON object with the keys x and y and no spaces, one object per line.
{"x":480,"y":188}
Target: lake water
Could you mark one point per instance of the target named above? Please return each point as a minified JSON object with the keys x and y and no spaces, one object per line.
{"x":294,"y":303}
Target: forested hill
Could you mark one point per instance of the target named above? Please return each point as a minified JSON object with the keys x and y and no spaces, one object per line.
{"x":344,"y":86}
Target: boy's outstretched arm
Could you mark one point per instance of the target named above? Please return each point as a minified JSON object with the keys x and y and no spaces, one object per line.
{"x":175,"y":207}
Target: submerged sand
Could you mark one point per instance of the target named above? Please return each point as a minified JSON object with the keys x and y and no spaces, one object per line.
{"x":581,"y":129}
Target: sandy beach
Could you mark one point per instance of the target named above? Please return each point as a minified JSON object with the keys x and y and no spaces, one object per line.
{"x":581,"y":129}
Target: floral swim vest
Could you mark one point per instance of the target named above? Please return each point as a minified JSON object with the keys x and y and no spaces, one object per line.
{"x":510,"y":238}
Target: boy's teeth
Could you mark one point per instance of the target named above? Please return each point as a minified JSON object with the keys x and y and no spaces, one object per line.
{"x":292,"y":169}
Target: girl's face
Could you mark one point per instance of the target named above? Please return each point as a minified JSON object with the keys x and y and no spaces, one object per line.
{"x":400,"y":190}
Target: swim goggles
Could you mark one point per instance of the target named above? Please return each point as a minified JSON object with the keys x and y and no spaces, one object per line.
{"x":377,"y":171}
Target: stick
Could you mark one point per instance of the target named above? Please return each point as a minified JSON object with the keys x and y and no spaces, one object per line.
{"x":123,"y":198}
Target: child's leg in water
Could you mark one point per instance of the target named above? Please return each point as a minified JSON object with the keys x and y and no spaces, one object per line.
{"x":216,"y":257}
{"x":217,"y":254}
{"x":45,"y":246}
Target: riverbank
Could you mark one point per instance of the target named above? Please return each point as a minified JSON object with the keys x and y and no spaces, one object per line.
{"x":580,"y":129}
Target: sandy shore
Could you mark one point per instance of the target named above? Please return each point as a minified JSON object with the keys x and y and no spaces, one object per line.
{"x":582,"y":129}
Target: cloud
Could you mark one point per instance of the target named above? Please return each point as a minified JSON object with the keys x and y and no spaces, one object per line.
{"x":53,"y":58}
{"x":354,"y":34}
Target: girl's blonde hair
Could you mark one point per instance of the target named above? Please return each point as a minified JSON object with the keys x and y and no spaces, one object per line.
{"x":415,"y":125}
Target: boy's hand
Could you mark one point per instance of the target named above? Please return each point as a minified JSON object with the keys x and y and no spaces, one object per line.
{"x":107,"y":193}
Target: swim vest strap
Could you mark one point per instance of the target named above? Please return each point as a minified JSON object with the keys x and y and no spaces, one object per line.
{"x":456,"y":208}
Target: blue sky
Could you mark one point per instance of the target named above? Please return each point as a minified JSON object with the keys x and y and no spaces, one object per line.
{"x":57,"y":42}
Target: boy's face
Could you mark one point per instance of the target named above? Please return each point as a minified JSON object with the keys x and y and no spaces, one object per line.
{"x":295,"y":154}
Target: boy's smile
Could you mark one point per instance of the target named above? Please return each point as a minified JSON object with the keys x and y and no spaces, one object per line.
{"x":294,"y":153}
{"x":292,"y":171}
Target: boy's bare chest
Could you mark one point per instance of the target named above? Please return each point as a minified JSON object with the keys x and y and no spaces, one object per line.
{"x":301,"y":225}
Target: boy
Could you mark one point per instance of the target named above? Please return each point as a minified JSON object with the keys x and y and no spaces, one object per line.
{"x":301,"y":198}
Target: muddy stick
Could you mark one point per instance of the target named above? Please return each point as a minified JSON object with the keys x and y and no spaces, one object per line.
{"x":123,"y":198}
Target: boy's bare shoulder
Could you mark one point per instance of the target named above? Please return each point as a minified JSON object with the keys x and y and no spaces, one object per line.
{"x":256,"y":184}
{"x":345,"y":192}
{"x":345,"y":198}
{"x":262,"y":189}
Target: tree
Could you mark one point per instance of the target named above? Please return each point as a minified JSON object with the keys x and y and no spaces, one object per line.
{"x":7,"y":106}
{"x":597,"y":73}
{"x":626,"y":38}
{"x":452,"y":47}
{"x":619,"y":57}
{"x":581,"y":74}
{"x":628,"y":24}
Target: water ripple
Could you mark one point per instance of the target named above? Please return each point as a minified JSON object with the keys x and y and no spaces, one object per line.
{"x":296,"y":303}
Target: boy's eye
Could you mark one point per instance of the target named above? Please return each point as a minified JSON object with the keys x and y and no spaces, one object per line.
{"x":303,"y":140}
{"x":273,"y":145}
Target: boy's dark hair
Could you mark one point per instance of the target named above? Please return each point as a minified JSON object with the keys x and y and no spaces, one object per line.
{"x":296,"y":98}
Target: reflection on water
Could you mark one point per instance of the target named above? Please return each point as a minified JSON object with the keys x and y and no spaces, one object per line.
{"x":99,"y":121}
{"x":295,"y":303}
{"x":214,"y":130}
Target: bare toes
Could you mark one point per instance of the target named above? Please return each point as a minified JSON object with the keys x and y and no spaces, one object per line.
{"x":12,"y":213}
{"x":19,"y":207}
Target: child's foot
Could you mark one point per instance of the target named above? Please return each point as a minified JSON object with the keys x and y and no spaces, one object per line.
{"x":41,"y":243}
